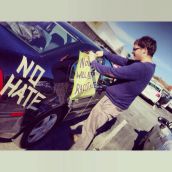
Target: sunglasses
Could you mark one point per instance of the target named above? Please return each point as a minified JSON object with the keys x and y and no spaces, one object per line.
{"x":134,"y":49}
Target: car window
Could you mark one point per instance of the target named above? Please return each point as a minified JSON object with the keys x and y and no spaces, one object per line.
{"x":41,"y":36}
{"x":72,"y":72}
{"x":155,"y":86}
{"x":105,"y":62}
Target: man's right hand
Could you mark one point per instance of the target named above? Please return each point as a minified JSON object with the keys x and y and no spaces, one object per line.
{"x":92,"y":56}
{"x":99,"y":53}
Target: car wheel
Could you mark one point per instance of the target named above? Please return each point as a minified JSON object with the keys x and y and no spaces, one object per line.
{"x":40,"y":128}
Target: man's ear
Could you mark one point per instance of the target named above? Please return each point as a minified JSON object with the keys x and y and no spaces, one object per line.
{"x":145,"y":51}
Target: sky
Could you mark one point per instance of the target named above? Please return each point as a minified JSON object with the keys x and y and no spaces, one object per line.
{"x":128,"y":32}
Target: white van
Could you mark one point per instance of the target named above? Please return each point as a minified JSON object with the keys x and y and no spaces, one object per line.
{"x":152,"y":91}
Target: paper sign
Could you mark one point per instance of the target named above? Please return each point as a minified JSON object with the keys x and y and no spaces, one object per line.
{"x":83,"y":80}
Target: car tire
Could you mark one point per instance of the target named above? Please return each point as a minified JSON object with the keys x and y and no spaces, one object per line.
{"x":41,"y":127}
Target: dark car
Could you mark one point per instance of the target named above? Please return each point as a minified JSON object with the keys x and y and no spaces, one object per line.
{"x":37,"y":65}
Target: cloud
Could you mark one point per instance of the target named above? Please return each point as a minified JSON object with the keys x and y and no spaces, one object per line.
{"x":121,"y":33}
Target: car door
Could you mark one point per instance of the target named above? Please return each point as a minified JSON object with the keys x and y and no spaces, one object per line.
{"x":83,"y":106}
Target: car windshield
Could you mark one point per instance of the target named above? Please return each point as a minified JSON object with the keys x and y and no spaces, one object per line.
{"x":41,"y":36}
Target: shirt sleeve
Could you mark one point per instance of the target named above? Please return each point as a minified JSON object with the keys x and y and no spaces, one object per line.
{"x":130,"y":72}
{"x":116,"y":59}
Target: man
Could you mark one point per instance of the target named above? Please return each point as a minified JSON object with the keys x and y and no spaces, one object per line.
{"x":132,"y":77}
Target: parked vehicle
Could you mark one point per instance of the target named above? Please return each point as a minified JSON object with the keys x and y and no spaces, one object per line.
{"x":169,"y":105}
{"x":152,"y":91}
{"x":34,"y":56}
{"x":164,"y":99}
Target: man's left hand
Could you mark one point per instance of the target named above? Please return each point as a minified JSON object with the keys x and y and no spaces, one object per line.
{"x":92,"y":56}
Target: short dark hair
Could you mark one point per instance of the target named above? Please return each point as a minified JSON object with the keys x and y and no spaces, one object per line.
{"x":148,"y":43}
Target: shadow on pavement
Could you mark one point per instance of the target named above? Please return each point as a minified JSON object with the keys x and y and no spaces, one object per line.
{"x":61,"y":137}
{"x":140,"y":140}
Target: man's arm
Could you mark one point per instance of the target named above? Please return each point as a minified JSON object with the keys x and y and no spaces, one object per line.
{"x":130,"y":72}
{"x":116,"y":59}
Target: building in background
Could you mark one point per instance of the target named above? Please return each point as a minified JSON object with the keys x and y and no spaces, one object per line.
{"x":102,"y":34}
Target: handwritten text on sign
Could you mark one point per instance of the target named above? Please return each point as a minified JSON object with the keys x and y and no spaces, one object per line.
{"x":83,"y":82}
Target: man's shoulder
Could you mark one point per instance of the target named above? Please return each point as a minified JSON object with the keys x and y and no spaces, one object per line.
{"x":135,"y":63}
{"x":142,"y":68}
{"x":131,"y":62}
{"x":143,"y":64}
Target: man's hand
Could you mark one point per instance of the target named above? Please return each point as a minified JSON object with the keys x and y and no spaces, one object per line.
{"x":92,"y":56}
{"x":99,"y":53}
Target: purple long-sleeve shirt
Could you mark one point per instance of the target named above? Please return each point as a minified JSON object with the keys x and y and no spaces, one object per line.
{"x":132,"y":77}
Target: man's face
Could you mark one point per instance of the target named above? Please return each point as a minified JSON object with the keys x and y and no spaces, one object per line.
{"x":138,"y":52}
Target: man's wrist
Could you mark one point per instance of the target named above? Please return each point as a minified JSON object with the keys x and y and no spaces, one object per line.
{"x":106,"y":53}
